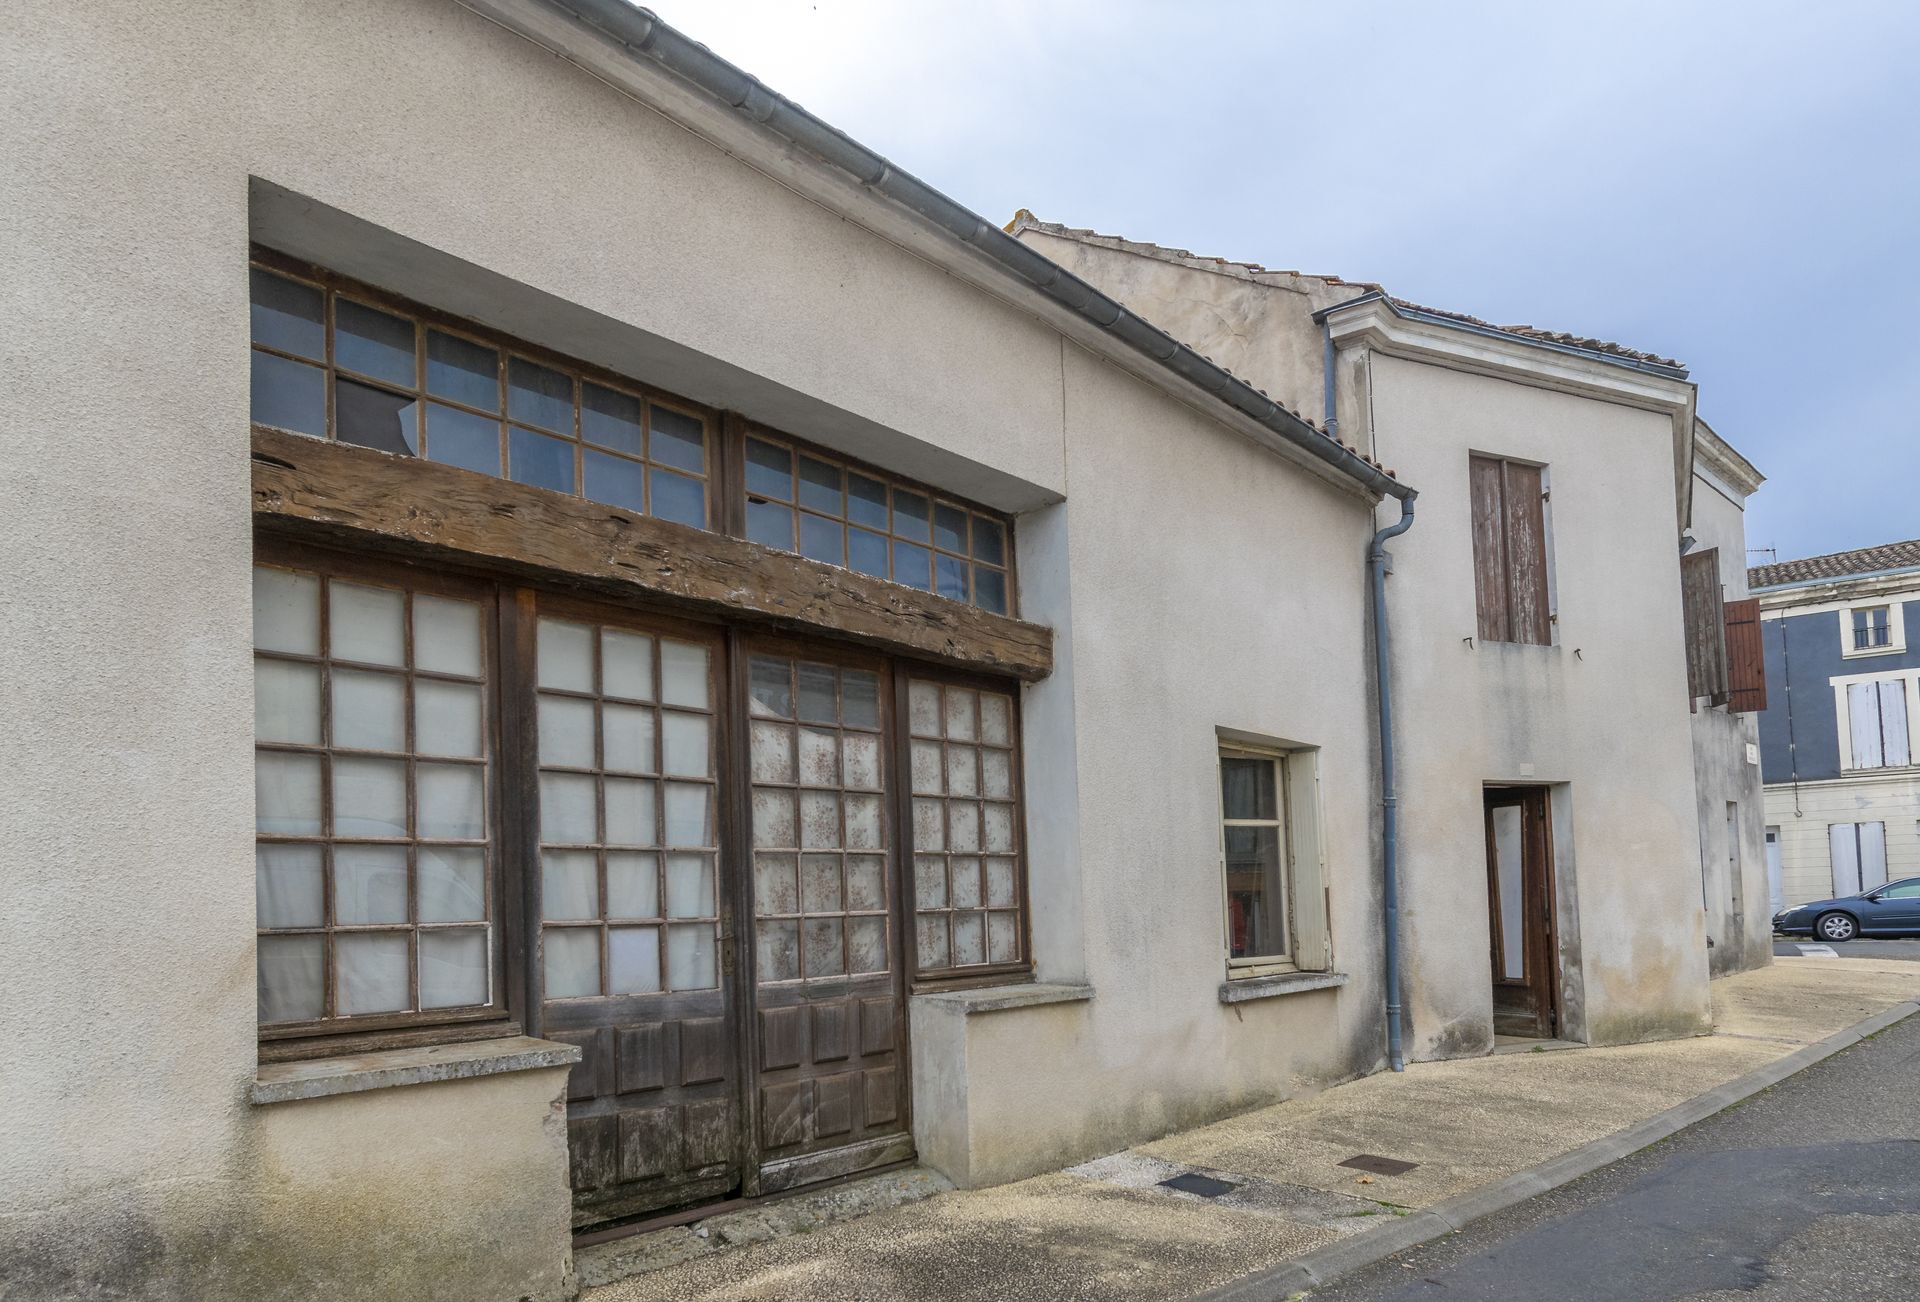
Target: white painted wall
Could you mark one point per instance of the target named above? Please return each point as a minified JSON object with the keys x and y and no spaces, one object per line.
{"x":1803,"y":817}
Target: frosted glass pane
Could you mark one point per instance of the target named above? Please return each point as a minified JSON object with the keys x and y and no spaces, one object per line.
{"x":570,"y":961}
{"x":369,"y":797}
{"x":929,"y":881}
{"x":819,"y":820}
{"x":566,"y":732}
{"x":626,"y":665}
{"x":772,"y":747}
{"x":631,"y":817}
{"x":633,"y":960}
{"x":777,"y":951}
{"x":1507,"y":851}
{"x":565,"y":656}
{"x":287,"y":890}
{"x":286,"y":611}
{"x":996,"y":714}
{"x":369,"y":884}
{"x":569,"y":885}
{"x":860,"y":760}
{"x":685,"y":745}
{"x":690,"y":957}
{"x":289,"y":979}
{"x":453,"y":884}
{"x":965,"y":876}
{"x":969,"y":939}
{"x":867,"y":944}
{"x":286,"y":793}
{"x":453,"y":968}
{"x":930,"y":936}
{"x":923,"y":709}
{"x":819,"y":758}
{"x":1002,"y":884}
{"x":928,"y":830}
{"x":369,"y":710}
{"x":928,"y":776}
{"x":963,"y":826}
{"x":820,"y":883}
{"x":286,"y":702}
{"x":1003,"y":938}
{"x":997,"y":829}
{"x":963,"y":771}
{"x":567,"y":810}
{"x":446,"y":718}
{"x":689,"y":886}
{"x":689,"y":814}
{"x":452,"y":801}
{"x":996,"y":774}
{"x":633,"y":885}
{"x":628,"y":738}
{"x":865,"y":830}
{"x":773,"y":884}
{"x":371,"y":973}
{"x":365,"y":624}
{"x":446,"y":636}
{"x":959,"y":713}
{"x":683,"y":674}
{"x":866,"y":882}
{"x":822,"y":954}
{"x":774,"y":821}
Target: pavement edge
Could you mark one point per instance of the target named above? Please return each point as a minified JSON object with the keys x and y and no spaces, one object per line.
{"x":1326,"y":1264}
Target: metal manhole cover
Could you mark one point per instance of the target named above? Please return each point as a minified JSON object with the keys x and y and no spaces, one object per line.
{"x":1194,"y":1183}
{"x":1379,"y":1165}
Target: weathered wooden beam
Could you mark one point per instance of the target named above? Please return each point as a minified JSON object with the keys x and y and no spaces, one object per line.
{"x":342,"y":495}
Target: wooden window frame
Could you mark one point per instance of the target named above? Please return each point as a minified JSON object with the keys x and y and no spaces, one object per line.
{"x":1303,"y":858}
{"x":1252,"y":965}
{"x":1507,"y":608}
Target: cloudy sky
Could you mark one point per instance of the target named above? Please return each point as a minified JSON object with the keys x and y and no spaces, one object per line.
{"x":1731,"y":184}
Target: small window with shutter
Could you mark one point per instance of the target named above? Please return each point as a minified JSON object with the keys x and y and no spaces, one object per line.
{"x":1510,"y":551}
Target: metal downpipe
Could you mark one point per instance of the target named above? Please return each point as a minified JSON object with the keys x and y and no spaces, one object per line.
{"x":1389,"y":800}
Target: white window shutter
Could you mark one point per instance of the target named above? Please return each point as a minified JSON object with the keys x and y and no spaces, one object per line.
{"x":1863,"y":715}
{"x":1893,"y":722}
{"x":1844,"y":844}
{"x":1312,"y":931}
{"x":1873,"y":855}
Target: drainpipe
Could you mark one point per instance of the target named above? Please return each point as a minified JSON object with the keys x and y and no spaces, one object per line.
{"x":1389,"y":800}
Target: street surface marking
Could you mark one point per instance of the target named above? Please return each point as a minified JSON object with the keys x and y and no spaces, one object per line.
{"x":1816,"y":951}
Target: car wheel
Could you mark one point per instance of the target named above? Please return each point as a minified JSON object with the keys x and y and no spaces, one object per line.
{"x":1836,"y":927}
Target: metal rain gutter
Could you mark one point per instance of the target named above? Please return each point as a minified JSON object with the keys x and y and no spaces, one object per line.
{"x":645,"y":36}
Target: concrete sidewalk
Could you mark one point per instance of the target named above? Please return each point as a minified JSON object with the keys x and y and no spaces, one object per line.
{"x":1108,"y":1229}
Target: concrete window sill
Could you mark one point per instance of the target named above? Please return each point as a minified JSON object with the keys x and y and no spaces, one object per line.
{"x":993,"y":999}
{"x":283,"y":1082}
{"x":1285,"y":983}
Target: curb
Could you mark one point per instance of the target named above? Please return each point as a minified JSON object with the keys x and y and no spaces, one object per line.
{"x":1325,"y":1264}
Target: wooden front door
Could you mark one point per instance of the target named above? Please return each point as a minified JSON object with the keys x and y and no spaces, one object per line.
{"x":1526,"y":964}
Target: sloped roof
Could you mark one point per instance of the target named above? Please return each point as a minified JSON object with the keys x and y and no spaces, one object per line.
{"x":1837,"y":565}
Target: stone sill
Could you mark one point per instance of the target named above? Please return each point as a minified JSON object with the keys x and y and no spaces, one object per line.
{"x":1283,"y":983}
{"x":993,"y":999}
{"x":283,"y":1082}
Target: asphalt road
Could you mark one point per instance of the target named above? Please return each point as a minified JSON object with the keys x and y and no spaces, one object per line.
{"x":1809,"y":1190}
{"x":1904,"y":949}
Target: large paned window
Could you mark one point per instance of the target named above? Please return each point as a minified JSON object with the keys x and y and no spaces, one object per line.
{"x":1510,"y":551}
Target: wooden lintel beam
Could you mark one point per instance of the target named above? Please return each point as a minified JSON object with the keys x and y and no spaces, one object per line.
{"x":344,"y":495}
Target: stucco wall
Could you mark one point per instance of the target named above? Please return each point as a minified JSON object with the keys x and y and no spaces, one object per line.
{"x":1804,"y":815}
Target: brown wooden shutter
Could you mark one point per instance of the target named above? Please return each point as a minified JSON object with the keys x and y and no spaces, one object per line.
{"x":1527,"y":556}
{"x":1489,"y":549}
{"x":1706,"y":631}
{"x":1746,"y":661}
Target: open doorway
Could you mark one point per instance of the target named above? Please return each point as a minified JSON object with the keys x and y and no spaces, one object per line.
{"x":1524,"y":949}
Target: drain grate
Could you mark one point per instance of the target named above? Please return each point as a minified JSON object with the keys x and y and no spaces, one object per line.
{"x":1379,"y":1165}
{"x":1194,"y":1183}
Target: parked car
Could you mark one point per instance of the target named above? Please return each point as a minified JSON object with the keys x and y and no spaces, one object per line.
{"x":1890,"y":910}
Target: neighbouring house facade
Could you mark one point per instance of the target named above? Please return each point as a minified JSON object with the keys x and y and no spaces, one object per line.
{"x":1843,"y":679}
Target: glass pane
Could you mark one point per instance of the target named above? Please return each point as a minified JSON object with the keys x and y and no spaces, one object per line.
{"x":819,"y":757}
{"x":817,"y":691}
{"x":446,"y":635}
{"x":631,"y":816}
{"x":677,"y":498}
{"x":678,"y":439}
{"x":949,"y":528}
{"x":1256,"y":905}
{"x":964,"y":874}
{"x":866,"y":501}
{"x":1002,"y":884}
{"x":996,"y":715}
{"x":540,"y":460}
{"x":369,"y":797}
{"x":610,"y":418}
{"x":446,"y":718}
{"x":370,"y":972}
{"x":867,"y":553}
{"x":683,"y":674}
{"x":996,"y":774}
{"x":860,"y":759}
{"x":289,"y":395}
{"x":819,"y":820}
{"x":989,"y":541}
{"x":366,"y":624}
{"x":923,"y":709}
{"x":286,"y":702}
{"x":571,"y":961}
{"x":1508,"y":854}
{"x":539,"y":396}
{"x":822,"y":539}
{"x":453,"y":968}
{"x":963,"y":777}
{"x":990,"y":589}
{"x":772,"y":687}
{"x":460,"y":438}
{"x":867,"y":944}
{"x":963,"y":826}
{"x":928,"y":776}
{"x":690,"y":957}
{"x":626,"y":665}
{"x":689,"y":886}
{"x":860,"y":699}
{"x":567,"y":809}
{"x":375,"y":418}
{"x":1247,"y":788}
{"x":614,"y":481}
{"x":777,"y":951}
{"x":452,"y":884}
{"x":633,"y":885}
{"x":633,"y":960}
{"x":566,"y":732}
{"x":770,"y":524}
{"x":769,"y":470}
{"x":969,"y":939}
{"x":959,"y":713}
{"x":772,"y":752}
{"x":1003,"y":937}
{"x":865,"y":830}
{"x":463,"y":371}
{"x":910,"y":566}
{"x":685,"y":745}
{"x":929,"y":831}
{"x":866,"y":882}
{"x":627,"y":739}
{"x":689,"y":814}
{"x":286,"y":794}
{"x":950,"y":577}
{"x":286,"y":611}
{"x":287,"y":315}
{"x":289,"y":976}
{"x":909,"y":515}
{"x":287,"y":889}
{"x":823,"y":953}
{"x":820,"y":883}
{"x":373,"y":343}
{"x":775,"y":823}
{"x":369,"y":710}
{"x":996,"y":829}
{"x":565,"y":656}
{"x":930,"y":936}
{"x":820,"y":486}
{"x":773,"y":884}
{"x":369,"y":884}
{"x":452,"y":801}
{"x":929,"y":881}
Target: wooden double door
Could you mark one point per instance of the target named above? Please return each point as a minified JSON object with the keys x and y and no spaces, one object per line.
{"x":1524,"y":951}
{"x":715,"y":918}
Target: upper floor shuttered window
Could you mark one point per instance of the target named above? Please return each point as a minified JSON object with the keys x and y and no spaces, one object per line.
{"x":1510,"y":551}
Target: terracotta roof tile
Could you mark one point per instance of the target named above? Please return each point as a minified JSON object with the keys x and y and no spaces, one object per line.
{"x":1838,"y":565}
